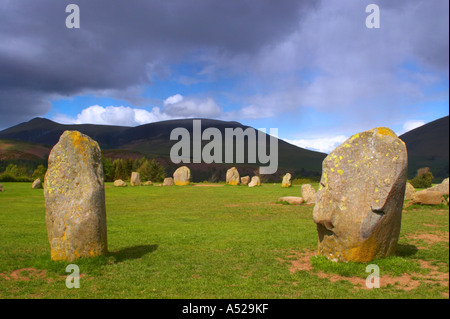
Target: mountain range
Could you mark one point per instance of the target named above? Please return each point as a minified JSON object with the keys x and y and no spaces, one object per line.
{"x":32,"y":141}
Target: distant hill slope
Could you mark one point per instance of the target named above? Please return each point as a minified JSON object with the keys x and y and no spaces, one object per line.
{"x":153,"y":140}
{"x":428,"y":146}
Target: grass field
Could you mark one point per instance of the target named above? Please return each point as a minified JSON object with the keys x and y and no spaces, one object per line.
{"x":213,"y":242}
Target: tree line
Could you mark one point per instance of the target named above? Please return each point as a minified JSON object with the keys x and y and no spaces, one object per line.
{"x":149,"y":170}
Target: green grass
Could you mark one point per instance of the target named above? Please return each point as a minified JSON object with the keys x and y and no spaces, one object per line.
{"x":206,"y":242}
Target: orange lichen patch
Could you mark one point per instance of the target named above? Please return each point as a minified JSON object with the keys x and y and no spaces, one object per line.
{"x":301,"y":262}
{"x":384,"y":131}
{"x":363,"y":253}
{"x":178,"y":183}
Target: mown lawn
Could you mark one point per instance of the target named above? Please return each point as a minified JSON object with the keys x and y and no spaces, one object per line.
{"x":213,"y":242}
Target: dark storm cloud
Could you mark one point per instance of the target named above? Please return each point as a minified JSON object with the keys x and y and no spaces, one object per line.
{"x":121,"y":44}
{"x":124,"y":45}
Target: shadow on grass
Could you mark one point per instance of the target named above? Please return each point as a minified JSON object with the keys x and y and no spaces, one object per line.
{"x":405,"y":250}
{"x":133,"y":252}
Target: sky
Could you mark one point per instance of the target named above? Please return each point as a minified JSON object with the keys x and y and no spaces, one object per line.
{"x":312,"y":69}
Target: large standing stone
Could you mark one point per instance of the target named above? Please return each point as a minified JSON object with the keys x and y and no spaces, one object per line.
{"x":308,"y":194}
{"x":360,"y":198}
{"x":232,"y":177}
{"x":135,"y":179}
{"x":36,"y":184}
{"x":182,"y":176}
{"x":168,"y":181}
{"x":245,"y":180}
{"x":255,"y":181}
{"x":286,"y":182}
{"x":119,"y":183}
{"x":409,"y":191}
{"x":75,"y":198}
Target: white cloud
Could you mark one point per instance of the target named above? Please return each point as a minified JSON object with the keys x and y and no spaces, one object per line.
{"x":410,"y":125}
{"x":178,"y":106}
{"x":113,"y":115}
{"x":321,"y":144}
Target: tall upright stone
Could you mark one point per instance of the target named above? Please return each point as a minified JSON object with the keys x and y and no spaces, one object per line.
{"x":286,"y":182}
{"x":75,"y":212}
{"x":308,"y":194}
{"x":182,"y":176}
{"x":360,"y":198}
{"x":135,"y":179}
{"x":232,"y":177}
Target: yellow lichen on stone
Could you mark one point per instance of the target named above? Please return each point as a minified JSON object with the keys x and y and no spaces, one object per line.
{"x":179,"y":183}
{"x":384,"y":131}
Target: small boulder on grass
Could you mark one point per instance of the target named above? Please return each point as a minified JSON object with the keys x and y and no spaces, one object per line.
{"x":1,"y":188}
{"x":291,"y":200}
{"x":148,"y":183}
{"x":427,"y":197}
{"x":119,"y":183}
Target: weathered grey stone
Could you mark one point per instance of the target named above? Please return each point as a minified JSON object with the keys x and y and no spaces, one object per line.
{"x":292,"y":200}
{"x":182,"y":176}
{"x":232,"y":177}
{"x":442,"y":187}
{"x":135,"y":179}
{"x":409,"y":191}
{"x":168,"y":181}
{"x":245,"y":180}
{"x":36,"y":184}
{"x":148,"y":183}
{"x":286,"y":182}
{"x":254,"y":182}
{"x":74,"y":193}
{"x":119,"y":183}
{"x":308,"y":194}
{"x":428,"y":197}
{"x":360,"y":198}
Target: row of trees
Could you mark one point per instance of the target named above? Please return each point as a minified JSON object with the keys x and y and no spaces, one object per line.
{"x":21,"y":173}
{"x":149,"y":170}
{"x":113,"y":169}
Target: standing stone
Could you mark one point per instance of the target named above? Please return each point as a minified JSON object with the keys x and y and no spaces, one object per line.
{"x":119,"y":183}
{"x":286,"y":182}
{"x":168,"y":181}
{"x":255,"y":181}
{"x":232,"y":177}
{"x":245,"y":180}
{"x":36,"y":184}
{"x":135,"y":179}
{"x":410,"y":191}
{"x":308,"y":194}
{"x":74,"y":193}
{"x":360,"y":198}
{"x":182,"y":176}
